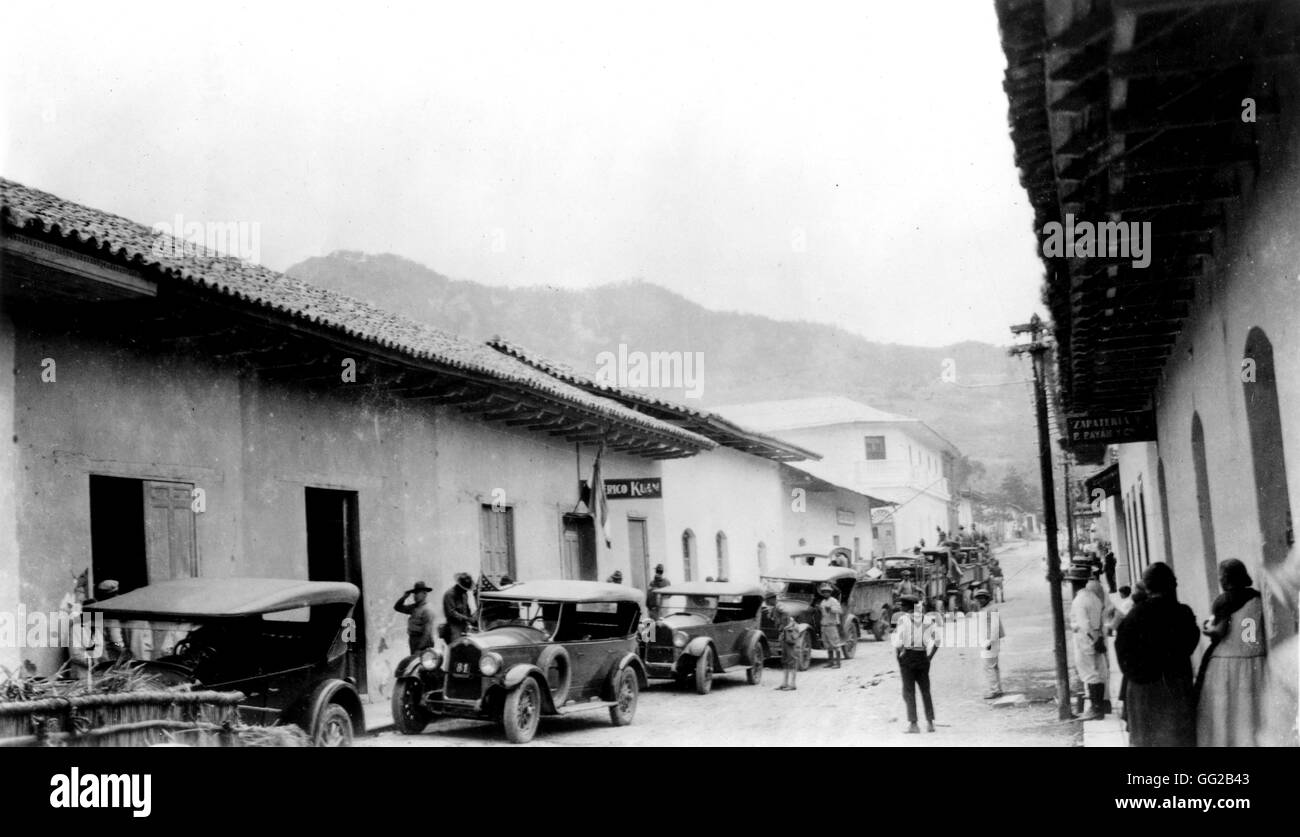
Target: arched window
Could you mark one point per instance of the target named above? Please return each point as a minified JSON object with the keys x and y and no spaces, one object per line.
{"x":1209,"y":547}
{"x":724,"y":563}
{"x":762,"y":558}
{"x":1272,"y":493}
{"x":688,"y":555}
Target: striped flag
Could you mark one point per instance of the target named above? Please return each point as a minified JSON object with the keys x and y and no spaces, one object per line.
{"x":599,"y":505}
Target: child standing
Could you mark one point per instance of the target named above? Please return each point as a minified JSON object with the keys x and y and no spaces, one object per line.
{"x":791,"y":634}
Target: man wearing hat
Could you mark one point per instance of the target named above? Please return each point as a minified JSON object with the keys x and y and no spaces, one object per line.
{"x":615,"y":578}
{"x":1088,"y":624}
{"x":419,"y":617}
{"x":456,"y":607}
{"x":831,"y":613}
{"x":915,"y":642}
{"x":659,"y":580}
{"x":990,"y":635}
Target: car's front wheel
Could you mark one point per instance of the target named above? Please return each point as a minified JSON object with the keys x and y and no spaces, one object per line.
{"x":625,"y":694}
{"x":704,"y":672}
{"x":410,"y":717}
{"x":523,"y":710}
{"x":333,"y":728}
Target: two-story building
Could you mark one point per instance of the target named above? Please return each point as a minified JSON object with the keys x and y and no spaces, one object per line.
{"x":900,"y":460}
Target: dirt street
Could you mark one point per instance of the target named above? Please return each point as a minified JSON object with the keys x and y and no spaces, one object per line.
{"x":858,"y":705}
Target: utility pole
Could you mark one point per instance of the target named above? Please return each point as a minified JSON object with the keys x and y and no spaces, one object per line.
{"x":1037,"y":350}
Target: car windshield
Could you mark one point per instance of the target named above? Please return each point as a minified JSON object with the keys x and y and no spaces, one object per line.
{"x":695,"y":605}
{"x":790,"y":589}
{"x":543,"y":616}
{"x":150,"y":639}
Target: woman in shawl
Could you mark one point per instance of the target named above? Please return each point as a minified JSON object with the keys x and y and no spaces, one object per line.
{"x":1154,"y":644}
{"x":1231,"y":679}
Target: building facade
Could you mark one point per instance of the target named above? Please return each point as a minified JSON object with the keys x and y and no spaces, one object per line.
{"x":899,"y":460}
{"x":1193,"y":357}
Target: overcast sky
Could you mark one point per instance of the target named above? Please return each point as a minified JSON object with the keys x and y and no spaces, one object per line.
{"x":842,"y":164}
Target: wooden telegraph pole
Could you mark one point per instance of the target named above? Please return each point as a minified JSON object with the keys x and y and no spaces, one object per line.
{"x":1037,"y":350}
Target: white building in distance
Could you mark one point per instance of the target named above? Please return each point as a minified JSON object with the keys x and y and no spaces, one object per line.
{"x":895,"y":458}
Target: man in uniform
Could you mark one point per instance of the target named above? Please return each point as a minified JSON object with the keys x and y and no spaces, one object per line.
{"x":419,"y":617}
{"x":456,"y":607}
{"x":915,"y":642}
{"x":1087,"y":622}
{"x":659,"y":580}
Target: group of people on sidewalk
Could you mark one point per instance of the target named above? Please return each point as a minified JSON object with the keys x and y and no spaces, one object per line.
{"x":1165,"y":704}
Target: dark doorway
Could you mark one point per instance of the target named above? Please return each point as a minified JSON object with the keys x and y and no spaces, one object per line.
{"x":334,"y":554}
{"x":579,"y":547}
{"x":117,"y":531}
{"x":141,"y":531}
{"x":1204,"y":509}
{"x":1272,"y":493}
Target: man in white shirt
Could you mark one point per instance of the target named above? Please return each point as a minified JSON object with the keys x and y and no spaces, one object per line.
{"x":915,"y":641}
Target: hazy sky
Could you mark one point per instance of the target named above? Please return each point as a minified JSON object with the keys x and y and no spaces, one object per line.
{"x":847,"y":164}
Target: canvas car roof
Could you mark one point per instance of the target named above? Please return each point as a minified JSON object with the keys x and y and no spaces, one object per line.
{"x":710,"y":588}
{"x":565,"y":591}
{"x":812,"y":574}
{"x":195,"y":598}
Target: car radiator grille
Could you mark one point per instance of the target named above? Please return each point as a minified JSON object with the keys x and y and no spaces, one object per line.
{"x":463,"y":675}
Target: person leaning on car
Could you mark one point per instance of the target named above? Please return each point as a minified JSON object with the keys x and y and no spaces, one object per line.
{"x":420,"y":617}
{"x":456,"y":607}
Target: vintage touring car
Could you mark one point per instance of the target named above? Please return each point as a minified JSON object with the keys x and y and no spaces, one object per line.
{"x":794,"y":591}
{"x":282,"y":642}
{"x":703,"y":628}
{"x":542,"y":648}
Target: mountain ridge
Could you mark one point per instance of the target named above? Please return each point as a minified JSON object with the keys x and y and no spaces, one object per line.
{"x":972,"y":393}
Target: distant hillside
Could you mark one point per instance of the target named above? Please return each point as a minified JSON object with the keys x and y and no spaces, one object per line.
{"x":746,"y":357}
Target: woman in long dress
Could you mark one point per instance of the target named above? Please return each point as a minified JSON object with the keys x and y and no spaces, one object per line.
{"x":1233,"y":670}
{"x":1154,"y":644}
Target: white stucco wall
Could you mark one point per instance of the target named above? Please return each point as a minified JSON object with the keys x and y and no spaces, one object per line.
{"x":721,"y":490}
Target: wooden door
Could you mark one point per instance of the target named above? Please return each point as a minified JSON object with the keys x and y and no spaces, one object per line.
{"x":638,"y":546}
{"x":579,"y":547}
{"x":170,"y":550}
{"x":498,"y":538}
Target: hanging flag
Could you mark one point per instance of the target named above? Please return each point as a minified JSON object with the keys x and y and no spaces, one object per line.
{"x":599,"y":506}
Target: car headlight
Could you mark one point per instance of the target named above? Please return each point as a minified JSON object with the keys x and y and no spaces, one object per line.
{"x":680,"y":639}
{"x":489,"y":664}
{"x":430,"y":659}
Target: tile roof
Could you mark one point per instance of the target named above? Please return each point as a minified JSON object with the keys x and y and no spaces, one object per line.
{"x":135,"y":245}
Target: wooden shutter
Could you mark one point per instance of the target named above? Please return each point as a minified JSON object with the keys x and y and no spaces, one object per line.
{"x":170,"y":548}
{"x":498,"y":536}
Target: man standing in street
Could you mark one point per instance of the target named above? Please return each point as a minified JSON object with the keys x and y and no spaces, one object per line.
{"x":456,"y":607}
{"x":419,"y":617}
{"x":915,"y":642}
{"x":659,"y":580}
{"x":991,"y":636}
{"x":1087,"y":622}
